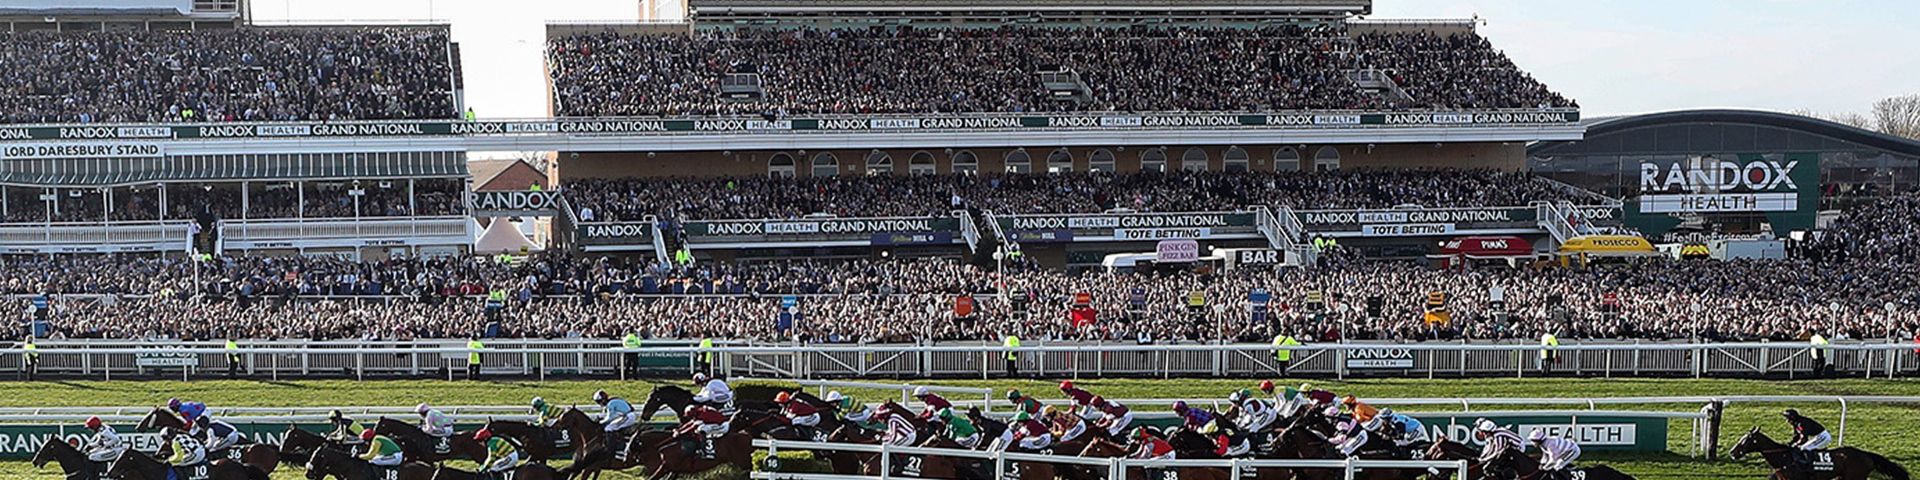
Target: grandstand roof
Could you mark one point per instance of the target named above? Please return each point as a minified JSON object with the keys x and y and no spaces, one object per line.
{"x":1606,"y":134}
{"x":504,"y":175}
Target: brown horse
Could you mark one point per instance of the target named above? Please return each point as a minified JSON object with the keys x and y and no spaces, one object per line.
{"x":299,"y":444}
{"x":1845,"y":463}
{"x":568,"y":435}
{"x":1103,"y":448}
{"x":74,"y":464}
{"x":1513,"y":465}
{"x":667,"y":454}
{"x":531,"y":471}
{"x":416,"y":445}
{"x":260,"y":456}
{"x":345,"y":466}
{"x":134,"y":465}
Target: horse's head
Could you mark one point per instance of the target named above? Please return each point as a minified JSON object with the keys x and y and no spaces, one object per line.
{"x":665,"y":395}
{"x":157,"y":419}
{"x":296,"y":440}
{"x":1753,"y":442}
{"x":317,"y":466}
{"x":48,"y":452}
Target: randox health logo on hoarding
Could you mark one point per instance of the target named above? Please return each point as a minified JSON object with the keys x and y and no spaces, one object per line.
{"x":1783,"y":186}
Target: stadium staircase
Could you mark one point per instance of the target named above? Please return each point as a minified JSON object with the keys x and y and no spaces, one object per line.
{"x":1558,"y":219}
{"x":567,"y":221}
{"x":1380,"y":82}
{"x":662,"y":248}
{"x":1284,"y":232}
{"x":969,"y":231}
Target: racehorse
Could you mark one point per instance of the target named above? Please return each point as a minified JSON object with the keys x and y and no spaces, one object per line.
{"x":74,"y":464}
{"x":666,"y":454}
{"x":531,"y":471}
{"x":1845,"y":463}
{"x":989,"y":428}
{"x":134,"y":465}
{"x":263,"y":457}
{"x":845,"y":462}
{"x":1301,"y":441}
{"x":1103,"y":448}
{"x":1513,"y":465}
{"x":299,"y":444}
{"x":569,"y":434}
{"x":1446,"y":449}
{"x":416,"y":445}
{"x":345,"y":466}
{"x":860,"y":463}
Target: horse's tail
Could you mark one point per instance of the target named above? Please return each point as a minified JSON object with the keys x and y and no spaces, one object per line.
{"x":1882,"y":464}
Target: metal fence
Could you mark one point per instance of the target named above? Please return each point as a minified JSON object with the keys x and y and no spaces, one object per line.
{"x":1116,"y":467}
{"x":586,"y":357}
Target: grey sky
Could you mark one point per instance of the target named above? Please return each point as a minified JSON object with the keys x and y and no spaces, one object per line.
{"x":1614,"y":56}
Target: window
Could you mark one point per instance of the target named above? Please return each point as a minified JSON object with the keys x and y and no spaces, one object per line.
{"x":1326,"y":159}
{"x":1195,"y":160}
{"x":781,"y":166}
{"x":879,"y":163}
{"x":1236,"y":160}
{"x":1101,"y":160}
{"x":965,"y":163}
{"x":826,"y":165}
{"x":1286,"y":160}
{"x":1060,"y":161}
{"x":922,"y":164}
{"x":1153,"y":160}
{"x":1018,"y":162}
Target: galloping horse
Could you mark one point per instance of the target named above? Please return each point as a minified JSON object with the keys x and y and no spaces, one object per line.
{"x":263,"y":457}
{"x":134,"y":465}
{"x":299,"y":444}
{"x":1103,"y":448}
{"x":74,"y":464}
{"x":344,"y":466}
{"x":1513,"y":465}
{"x":860,"y":463}
{"x":419,"y":446}
{"x":667,"y":454}
{"x":1446,"y":449}
{"x":569,"y":434}
{"x":1845,"y":463}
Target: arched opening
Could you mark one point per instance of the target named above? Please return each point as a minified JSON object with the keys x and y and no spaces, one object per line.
{"x":1326,"y":159}
{"x":965,"y":163}
{"x":781,"y":166}
{"x":1018,"y":162}
{"x":1153,"y":160}
{"x":879,"y":163}
{"x":1101,"y":161}
{"x":922,"y":164}
{"x":1194,"y":160}
{"x":1060,"y":161}
{"x":1235,"y":160}
{"x":826,"y":165}
{"x":1286,"y":160}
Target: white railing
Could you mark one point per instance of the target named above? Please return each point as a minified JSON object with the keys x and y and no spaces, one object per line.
{"x":1116,"y":467}
{"x":983,"y":359}
{"x":905,"y":389}
{"x":969,"y":230}
{"x":1269,"y":226}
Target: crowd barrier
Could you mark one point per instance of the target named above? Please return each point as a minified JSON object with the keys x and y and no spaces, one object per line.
{"x":606,"y":358}
{"x":1005,"y":464}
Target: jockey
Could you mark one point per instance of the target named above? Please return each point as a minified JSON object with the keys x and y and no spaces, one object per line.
{"x":345,"y":430}
{"x":934,"y":404}
{"x":105,"y":444}
{"x":187,"y":452}
{"x":1197,"y":419}
{"x":849,"y":410}
{"x":1082,"y":400}
{"x":704,"y":419}
{"x":960,"y":429}
{"x":1255,"y":414}
{"x":1808,"y":435}
{"x":1030,"y":434}
{"x":188,"y":411}
{"x":713,"y":392}
{"x":220,"y":434}
{"x":1023,"y":403}
{"x":1228,"y":442}
{"x":434,"y":422}
{"x":1361,"y":412}
{"x":1114,"y":416}
{"x":1292,"y":401}
{"x":1498,"y":440}
{"x":1352,"y":436}
{"x":800,"y":413}
{"x":619,"y":414}
{"x":1402,"y":429}
{"x":545,"y":413}
{"x":1556,"y":454}
{"x":501,"y":456}
{"x":1066,"y":426}
{"x":1149,"y":447}
{"x":381,"y":451}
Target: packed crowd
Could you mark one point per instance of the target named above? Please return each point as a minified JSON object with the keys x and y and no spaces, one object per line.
{"x":923,"y":70}
{"x":243,"y":74}
{"x":430,"y":197}
{"x":631,"y":199}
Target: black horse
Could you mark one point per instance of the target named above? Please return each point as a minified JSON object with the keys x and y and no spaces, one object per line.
{"x":1513,"y":465}
{"x":74,"y":464}
{"x":1845,"y":463}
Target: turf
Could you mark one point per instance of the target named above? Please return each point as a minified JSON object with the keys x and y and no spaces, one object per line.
{"x":1886,"y":429}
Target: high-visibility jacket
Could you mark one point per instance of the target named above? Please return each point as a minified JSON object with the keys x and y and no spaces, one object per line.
{"x":1012,"y":344}
{"x":474,"y":345}
{"x":1281,"y":352}
{"x":1548,"y":343}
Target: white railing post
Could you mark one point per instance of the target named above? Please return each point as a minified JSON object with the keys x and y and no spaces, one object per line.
{"x":886,"y":462}
{"x":1348,"y":469}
